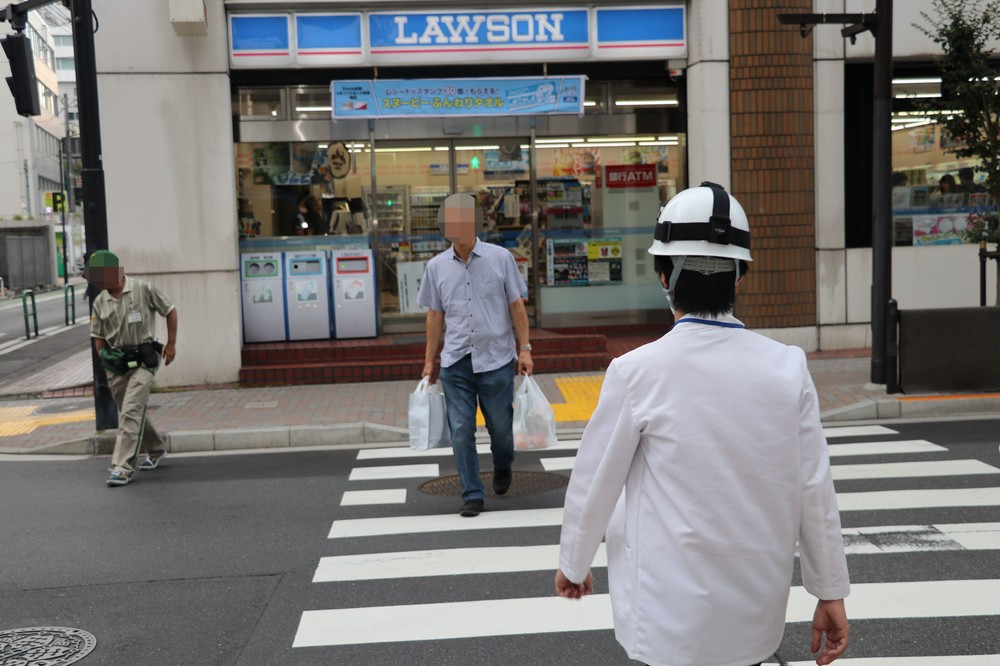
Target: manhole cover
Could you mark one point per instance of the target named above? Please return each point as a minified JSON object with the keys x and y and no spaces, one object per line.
{"x":44,"y":646}
{"x":524,"y":483}
{"x":65,"y":407}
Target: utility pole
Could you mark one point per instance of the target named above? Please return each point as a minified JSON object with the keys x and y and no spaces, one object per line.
{"x":95,"y":215}
{"x":880,"y":25}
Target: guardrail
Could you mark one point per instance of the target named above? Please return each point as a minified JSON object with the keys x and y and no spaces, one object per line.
{"x":69,"y":304}
{"x":25,"y":295}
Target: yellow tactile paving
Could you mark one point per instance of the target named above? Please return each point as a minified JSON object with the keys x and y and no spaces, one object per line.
{"x":21,"y":420}
{"x":580,"y":395}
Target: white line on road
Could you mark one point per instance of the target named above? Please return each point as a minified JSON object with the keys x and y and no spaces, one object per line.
{"x":443,"y":562}
{"x":885,"y":500}
{"x":537,"y":615}
{"x":393,"y":472}
{"x":947,"y":660}
{"x":366,"y":497}
{"x":406,"y":452}
{"x":921,"y":538}
{"x":448,"y":522}
{"x":908,"y":470}
{"x":857,"y":431}
{"x":558,"y":464}
{"x":884,"y":448}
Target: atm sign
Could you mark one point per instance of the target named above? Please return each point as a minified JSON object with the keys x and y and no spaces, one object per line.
{"x":630,"y":175}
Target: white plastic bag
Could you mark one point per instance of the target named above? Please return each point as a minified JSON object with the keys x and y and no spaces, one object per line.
{"x":534,"y":421}
{"x":428,"y":418}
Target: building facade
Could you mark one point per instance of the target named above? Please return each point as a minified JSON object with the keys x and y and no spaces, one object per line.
{"x":207,"y":157}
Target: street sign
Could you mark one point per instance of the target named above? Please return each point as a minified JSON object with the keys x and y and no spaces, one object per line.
{"x":55,"y":201}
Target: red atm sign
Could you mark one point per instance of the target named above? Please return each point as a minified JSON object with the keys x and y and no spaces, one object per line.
{"x":630,"y":175}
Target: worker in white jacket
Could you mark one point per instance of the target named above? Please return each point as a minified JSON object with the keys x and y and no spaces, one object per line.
{"x":704,"y":465}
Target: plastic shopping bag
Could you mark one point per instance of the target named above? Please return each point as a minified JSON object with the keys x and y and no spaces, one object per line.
{"x":428,"y":419}
{"x":534,"y":421}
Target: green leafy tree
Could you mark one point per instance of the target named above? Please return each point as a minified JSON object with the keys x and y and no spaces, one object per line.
{"x":970,"y":86}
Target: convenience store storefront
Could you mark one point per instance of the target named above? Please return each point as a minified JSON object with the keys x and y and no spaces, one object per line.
{"x":571,"y":189}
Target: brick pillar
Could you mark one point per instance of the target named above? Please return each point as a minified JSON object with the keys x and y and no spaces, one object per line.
{"x":771,"y":102}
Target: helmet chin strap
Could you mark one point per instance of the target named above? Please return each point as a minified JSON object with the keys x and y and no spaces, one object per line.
{"x":674,"y":274}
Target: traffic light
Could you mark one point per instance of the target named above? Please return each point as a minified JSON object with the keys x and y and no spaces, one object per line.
{"x":22,"y":83}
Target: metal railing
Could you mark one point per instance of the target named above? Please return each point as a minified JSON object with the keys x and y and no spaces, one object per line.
{"x":34,"y":312}
{"x":983,"y":256}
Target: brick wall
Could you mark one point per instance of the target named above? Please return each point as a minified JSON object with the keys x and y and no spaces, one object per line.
{"x":771,"y":103}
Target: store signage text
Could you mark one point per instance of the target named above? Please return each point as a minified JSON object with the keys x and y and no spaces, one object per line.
{"x":316,"y":39}
{"x":631,"y":175}
{"x":466,"y":29}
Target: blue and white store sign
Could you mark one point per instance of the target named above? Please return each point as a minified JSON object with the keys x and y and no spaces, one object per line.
{"x":311,"y":39}
{"x":457,"y":97}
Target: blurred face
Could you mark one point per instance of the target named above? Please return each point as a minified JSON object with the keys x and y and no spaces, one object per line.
{"x":460,"y":220}
{"x":105,"y":277}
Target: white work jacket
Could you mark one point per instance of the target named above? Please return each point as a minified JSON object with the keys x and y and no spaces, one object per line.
{"x":713,"y":433}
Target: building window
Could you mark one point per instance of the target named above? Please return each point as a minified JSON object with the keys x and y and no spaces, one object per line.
{"x":64,"y":40}
{"x":63,"y":64}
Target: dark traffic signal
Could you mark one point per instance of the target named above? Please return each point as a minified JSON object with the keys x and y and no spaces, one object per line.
{"x":22,"y":83}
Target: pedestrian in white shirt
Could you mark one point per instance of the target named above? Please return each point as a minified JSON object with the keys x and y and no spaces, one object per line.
{"x":703,"y":466}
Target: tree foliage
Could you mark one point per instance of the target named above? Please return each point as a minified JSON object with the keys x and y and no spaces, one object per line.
{"x":970,"y":80}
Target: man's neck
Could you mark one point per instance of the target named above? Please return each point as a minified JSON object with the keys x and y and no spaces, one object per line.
{"x":677,"y":315}
{"x":463,"y":250}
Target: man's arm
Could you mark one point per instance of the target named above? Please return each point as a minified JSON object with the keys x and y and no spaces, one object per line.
{"x":519,"y":316}
{"x":170,"y":350}
{"x":435,"y":320}
{"x":99,"y":344}
{"x":830,"y":618}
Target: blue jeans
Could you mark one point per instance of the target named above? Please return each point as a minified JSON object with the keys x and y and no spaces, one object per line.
{"x":495,"y":392}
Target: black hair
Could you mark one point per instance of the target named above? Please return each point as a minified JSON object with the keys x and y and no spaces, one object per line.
{"x":966,"y":173}
{"x":699,"y":294}
{"x":899,"y":178}
{"x":947,"y":178}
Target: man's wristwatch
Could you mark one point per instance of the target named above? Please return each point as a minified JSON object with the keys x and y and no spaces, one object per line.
{"x":526,"y":347}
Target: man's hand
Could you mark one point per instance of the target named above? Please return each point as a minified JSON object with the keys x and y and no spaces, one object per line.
{"x":429,"y":372}
{"x":570,"y":590}
{"x":169,"y":352}
{"x":830,"y":618}
{"x":525,"y":365}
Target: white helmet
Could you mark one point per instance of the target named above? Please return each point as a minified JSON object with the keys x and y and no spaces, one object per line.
{"x":703,"y":221}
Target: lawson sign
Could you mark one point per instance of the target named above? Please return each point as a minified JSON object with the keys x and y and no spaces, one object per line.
{"x":316,"y":39}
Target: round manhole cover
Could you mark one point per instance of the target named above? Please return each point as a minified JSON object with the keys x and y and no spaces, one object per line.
{"x":523,"y":483}
{"x":44,"y":646}
{"x":64,"y":407}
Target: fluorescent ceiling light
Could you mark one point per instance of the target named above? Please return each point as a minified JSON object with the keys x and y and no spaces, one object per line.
{"x":323,"y":146}
{"x":658,"y":143}
{"x":647,"y":102}
{"x":917,"y":95}
{"x":306,"y":109}
{"x":423,"y":149}
{"x":559,"y":140}
{"x":589,"y":103}
{"x":615,"y":139}
{"x":609,"y":144}
{"x":477,"y":148}
{"x":556,"y":145}
{"x":668,"y":138}
{"x":914,"y":81}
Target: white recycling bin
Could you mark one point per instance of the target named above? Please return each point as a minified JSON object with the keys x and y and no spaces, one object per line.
{"x":307,"y":295}
{"x":261,"y":278}
{"x":352,"y":275}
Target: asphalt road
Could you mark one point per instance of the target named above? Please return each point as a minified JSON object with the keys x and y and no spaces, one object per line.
{"x":211,"y":558}
{"x":20,"y":357}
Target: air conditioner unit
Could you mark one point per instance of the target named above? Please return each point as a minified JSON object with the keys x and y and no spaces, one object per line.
{"x":189,"y":17}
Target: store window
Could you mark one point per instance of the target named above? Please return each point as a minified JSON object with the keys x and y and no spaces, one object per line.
{"x":261,"y":104}
{"x":935,"y":195}
{"x":302,"y":189}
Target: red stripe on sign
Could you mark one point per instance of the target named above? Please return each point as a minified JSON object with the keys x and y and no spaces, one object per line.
{"x":638,"y":46}
{"x":516,"y":48}
{"x":276,"y":53}
{"x":309,"y":53}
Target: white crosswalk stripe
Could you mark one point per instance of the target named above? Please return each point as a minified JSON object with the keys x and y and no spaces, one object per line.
{"x":543,"y":614}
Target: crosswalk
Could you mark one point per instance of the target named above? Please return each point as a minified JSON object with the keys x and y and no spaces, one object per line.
{"x":461,"y":547}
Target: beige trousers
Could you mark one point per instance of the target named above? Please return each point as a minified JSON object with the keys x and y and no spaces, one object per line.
{"x":131,"y":393}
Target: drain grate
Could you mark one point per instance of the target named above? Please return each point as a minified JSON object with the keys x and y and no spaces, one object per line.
{"x":51,"y":646}
{"x":524,"y":483}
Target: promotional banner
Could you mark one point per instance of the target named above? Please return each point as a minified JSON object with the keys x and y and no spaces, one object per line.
{"x":435,"y":98}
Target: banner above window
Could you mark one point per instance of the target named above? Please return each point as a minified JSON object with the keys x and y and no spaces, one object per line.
{"x":457,"y":97}
{"x":313,"y":39}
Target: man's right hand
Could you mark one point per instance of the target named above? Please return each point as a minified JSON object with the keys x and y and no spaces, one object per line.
{"x":830,"y":618}
{"x":429,"y":372}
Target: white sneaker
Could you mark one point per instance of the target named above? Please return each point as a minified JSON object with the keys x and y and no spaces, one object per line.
{"x":150,"y":462}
